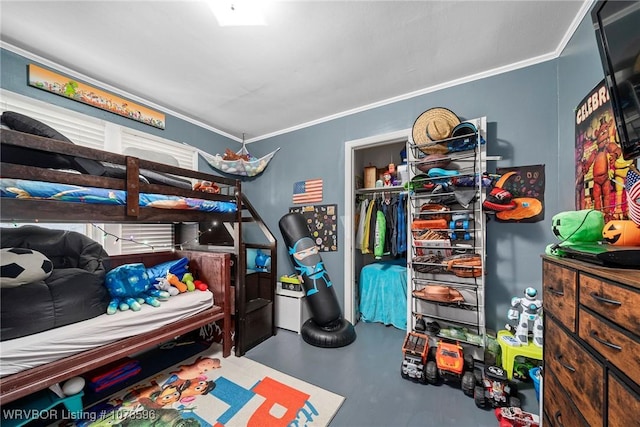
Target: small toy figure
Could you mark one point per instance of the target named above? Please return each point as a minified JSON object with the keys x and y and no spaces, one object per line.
{"x":386,"y":179}
{"x":262,"y":261}
{"x":526,"y":311}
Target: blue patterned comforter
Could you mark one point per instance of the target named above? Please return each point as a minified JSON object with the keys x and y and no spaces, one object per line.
{"x":24,"y":189}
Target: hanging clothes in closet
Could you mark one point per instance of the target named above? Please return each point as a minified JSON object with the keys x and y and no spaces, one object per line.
{"x":359,"y":223}
{"x":381,"y":228}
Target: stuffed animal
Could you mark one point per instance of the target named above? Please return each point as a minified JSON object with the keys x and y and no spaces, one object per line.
{"x":163,"y":284}
{"x":200,"y":285}
{"x":230,"y":155}
{"x":584,"y":226}
{"x":262,"y":261}
{"x":173,"y":280}
{"x":206,"y":187}
{"x":129,"y":286}
{"x":187,"y":279}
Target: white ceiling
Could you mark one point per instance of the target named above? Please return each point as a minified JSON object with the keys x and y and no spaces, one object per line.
{"x":312,"y":61}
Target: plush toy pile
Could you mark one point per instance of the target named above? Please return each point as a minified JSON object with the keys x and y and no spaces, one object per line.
{"x":131,"y":285}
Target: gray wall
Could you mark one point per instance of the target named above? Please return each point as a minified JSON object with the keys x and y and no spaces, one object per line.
{"x":530,"y":116}
{"x":579,"y":71}
{"x":521,"y":108}
{"x":13,"y":77}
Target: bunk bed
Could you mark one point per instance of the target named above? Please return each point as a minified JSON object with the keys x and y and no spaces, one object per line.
{"x":125,"y":198}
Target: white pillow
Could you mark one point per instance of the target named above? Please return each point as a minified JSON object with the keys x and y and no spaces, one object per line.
{"x":21,"y":266}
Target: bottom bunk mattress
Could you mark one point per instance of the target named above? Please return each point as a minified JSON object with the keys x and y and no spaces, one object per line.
{"x":383,"y":293}
{"x":34,"y":350}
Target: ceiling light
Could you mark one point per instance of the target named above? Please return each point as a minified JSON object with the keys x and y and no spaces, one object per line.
{"x":238,"y":12}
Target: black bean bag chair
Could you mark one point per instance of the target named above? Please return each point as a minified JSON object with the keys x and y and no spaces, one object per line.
{"x":73,"y":292}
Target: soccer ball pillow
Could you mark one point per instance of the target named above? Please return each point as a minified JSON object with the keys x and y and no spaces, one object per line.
{"x":21,"y":266}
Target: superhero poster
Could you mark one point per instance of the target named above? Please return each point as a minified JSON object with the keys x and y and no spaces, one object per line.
{"x":600,"y":168}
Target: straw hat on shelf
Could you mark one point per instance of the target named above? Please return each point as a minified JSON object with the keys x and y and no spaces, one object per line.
{"x":434,"y":125}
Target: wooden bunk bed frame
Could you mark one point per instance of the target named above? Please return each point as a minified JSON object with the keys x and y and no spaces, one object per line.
{"x":213,"y":267}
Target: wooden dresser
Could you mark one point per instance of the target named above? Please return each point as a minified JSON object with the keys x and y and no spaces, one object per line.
{"x":591,"y":344}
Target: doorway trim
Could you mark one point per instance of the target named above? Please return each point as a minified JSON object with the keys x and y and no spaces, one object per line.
{"x":350,"y":147}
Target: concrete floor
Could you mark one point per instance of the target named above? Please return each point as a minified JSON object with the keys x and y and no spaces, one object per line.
{"x":367,"y":374}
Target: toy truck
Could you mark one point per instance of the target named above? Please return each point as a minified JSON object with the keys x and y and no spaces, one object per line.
{"x":448,"y":362}
{"x":493,"y":387}
{"x":516,"y":417}
{"x":415,"y":349}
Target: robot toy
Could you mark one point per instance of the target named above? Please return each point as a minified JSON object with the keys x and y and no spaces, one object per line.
{"x":527,"y":312}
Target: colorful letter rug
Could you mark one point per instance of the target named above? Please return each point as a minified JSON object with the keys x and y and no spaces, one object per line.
{"x":209,"y":390}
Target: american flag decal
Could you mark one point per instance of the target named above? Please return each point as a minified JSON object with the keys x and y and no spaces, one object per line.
{"x":632,"y":185}
{"x":309,"y":191}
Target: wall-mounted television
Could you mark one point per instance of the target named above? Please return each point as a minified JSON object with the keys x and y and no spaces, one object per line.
{"x":617,"y":26}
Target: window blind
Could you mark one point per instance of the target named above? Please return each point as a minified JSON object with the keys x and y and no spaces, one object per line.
{"x":80,"y":129}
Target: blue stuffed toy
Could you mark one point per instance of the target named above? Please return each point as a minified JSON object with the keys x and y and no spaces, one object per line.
{"x":262,"y":261}
{"x":130,"y":286}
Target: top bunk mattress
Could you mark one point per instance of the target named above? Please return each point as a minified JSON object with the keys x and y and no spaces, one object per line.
{"x":34,"y":350}
{"x":26,"y":189}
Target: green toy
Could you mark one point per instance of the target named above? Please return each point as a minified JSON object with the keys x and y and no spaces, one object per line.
{"x":188,"y":280}
{"x":573,"y":227}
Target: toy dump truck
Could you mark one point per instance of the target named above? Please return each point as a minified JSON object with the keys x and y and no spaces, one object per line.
{"x":415,"y":349}
{"x":448,"y":362}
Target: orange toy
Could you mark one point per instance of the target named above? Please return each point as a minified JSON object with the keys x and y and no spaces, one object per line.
{"x":622,"y":233}
{"x":174,"y":281}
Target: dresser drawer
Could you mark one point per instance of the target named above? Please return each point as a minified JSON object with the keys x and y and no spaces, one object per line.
{"x":618,"y":304}
{"x":581,"y":375}
{"x":559,"y":293}
{"x":558,"y":409}
{"x":624,"y":404}
{"x":620,"y":349}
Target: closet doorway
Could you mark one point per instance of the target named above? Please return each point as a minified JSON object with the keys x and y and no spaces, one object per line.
{"x":378,"y":150}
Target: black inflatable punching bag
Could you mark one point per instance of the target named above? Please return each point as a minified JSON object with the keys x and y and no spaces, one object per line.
{"x":326,"y":327}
